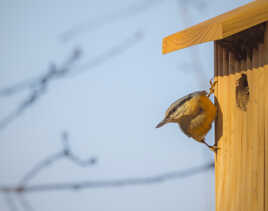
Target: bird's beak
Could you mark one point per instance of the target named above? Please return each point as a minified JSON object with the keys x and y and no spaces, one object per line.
{"x":160,"y":124}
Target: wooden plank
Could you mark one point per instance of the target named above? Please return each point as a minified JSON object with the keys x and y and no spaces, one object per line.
{"x":255,"y":139}
{"x":191,"y":37}
{"x":219,"y":27}
{"x":225,"y":136}
{"x":233,"y":115}
{"x":228,"y":94}
{"x":238,"y":122}
{"x":222,"y":164}
{"x":218,"y":129}
{"x":260,"y":110}
{"x":245,"y":19}
{"x":237,"y":140}
{"x":241,"y":164}
{"x":265,"y":62}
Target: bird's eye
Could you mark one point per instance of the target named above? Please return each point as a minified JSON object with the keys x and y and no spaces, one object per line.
{"x":172,"y":111}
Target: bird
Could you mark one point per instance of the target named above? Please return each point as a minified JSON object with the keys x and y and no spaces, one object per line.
{"x":194,"y":113}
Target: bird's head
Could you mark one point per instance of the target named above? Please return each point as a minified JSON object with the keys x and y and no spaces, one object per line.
{"x":173,"y":113}
{"x":177,"y":109}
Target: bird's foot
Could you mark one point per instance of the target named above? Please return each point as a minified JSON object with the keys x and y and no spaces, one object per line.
{"x":212,"y":87}
{"x":213,"y":148}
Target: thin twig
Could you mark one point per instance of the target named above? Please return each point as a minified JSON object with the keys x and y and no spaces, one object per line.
{"x":72,"y":157}
{"x":38,"y":86}
{"x":65,"y":153}
{"x":40,"y":166}
{"x":10,"y":202}
{"x":160,"y":178}
{"x":26,"y":205}
{"x":110,"y":53}
{"x":195,"y":56}
{"x":88,"y":26}
{"x":27,"y":103}
{"x":42,"y":81}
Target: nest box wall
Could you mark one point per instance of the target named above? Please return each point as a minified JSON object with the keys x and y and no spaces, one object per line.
{"x":241,"y":164}
{"x":241,"y":95}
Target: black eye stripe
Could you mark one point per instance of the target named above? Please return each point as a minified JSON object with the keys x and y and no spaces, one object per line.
{"x":183,"y":101}
{"x":179,"y":104}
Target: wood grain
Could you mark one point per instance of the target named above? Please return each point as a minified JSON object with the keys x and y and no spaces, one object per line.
{"x":219,"y":27}
{"x":264,"y":60}
{"x":241,"y":164}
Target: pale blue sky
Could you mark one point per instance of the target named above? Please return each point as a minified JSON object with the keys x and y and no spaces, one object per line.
{"x":109,"y":110}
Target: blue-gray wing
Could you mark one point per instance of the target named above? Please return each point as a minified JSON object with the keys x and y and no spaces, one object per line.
{"x":184,"y":99}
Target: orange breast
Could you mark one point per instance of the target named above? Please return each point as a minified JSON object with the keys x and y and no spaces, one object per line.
{"x":201,"y":123}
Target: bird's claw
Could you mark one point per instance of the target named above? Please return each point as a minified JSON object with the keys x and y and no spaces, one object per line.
{"x":212,"y":87}
{"x":214,"y":148}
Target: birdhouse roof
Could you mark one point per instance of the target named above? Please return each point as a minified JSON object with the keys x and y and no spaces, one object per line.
{"x":218,"y":27}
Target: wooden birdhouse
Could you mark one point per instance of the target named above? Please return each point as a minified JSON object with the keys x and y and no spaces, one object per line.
{"x":241,"y":70}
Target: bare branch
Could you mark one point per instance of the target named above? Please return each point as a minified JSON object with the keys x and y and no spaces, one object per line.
{"x":66,"y":153}
{"x":199,"y":5}
{"x":110,"y":53}
{"x":10,"y":202}
{"x":42,"y":81}
{"x":88,"y":26}
{"x":195,"y":56}
{"x":160,"y":178}
{"x":72,"y":157}
{"x":50,"y":160}
{"x":26,"y":205}
{"x":38,"y":86}
{"x":27,"y":103}
{"x":40,"y":166}
{"x":16,"y":88}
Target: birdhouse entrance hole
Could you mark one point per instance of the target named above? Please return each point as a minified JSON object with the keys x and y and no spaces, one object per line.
{"x":242,"y":92}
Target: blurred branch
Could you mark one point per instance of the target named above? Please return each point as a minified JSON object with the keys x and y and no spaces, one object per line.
{"x":38,"y":86}
{"x":66,"y":153}
{"x":111,"y":53}
{"x":10,"y":202}
{"x":53,"y":72}
{"x":199,"y":5}
{"x":132,"y":10}
{"x":26,"y":205}
{"x":195,"y":56}
{"x":160,"y":178}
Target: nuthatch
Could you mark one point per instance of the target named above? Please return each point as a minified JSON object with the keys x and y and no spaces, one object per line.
{"x":194,"y":113}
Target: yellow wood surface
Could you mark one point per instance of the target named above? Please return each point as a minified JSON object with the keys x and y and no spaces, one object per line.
{"x":219,"y":27}
{"x":265,"y":90}
{"x":241,"y":163}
